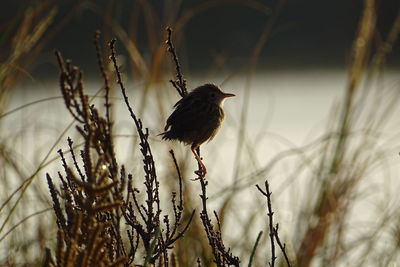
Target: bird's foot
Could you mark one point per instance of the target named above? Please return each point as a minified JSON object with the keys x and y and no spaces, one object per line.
{"x":200,"y":175}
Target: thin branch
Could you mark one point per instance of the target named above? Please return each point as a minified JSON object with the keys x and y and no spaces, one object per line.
{"x":178,"y":171}
{"x":282,"y":246}
{"x":180,"y":83}
{"x":273,"y":231}
{"x":104,"y":75}
{"x":253,"y":251}
{"x":270,"y":214}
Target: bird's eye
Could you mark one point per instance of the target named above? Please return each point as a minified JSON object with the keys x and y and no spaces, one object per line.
{"x":213,"y":95}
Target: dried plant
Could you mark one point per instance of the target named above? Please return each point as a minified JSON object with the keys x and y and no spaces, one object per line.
{"x":156,"y":240}
{"x":337,"y":179}
{"x":104,"y":217}
{"x":99,"y":197}
{"x":27,"y":35}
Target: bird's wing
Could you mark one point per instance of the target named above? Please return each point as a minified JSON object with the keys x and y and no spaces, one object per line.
{"x":187,"y":114}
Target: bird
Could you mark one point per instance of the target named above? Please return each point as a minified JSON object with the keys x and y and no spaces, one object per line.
{"x":197,"y":118}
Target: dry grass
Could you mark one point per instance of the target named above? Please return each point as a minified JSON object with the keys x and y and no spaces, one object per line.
{"x":107,"y":213}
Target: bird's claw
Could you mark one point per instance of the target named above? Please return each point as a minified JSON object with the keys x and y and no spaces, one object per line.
{"x":200,"y":173}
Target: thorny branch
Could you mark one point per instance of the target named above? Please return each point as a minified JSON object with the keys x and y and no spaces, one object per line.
{"x":273,"y":231}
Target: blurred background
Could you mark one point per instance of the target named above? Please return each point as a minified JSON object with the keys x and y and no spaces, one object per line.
{"x":316,"y":113}
{"x":307,"y":34}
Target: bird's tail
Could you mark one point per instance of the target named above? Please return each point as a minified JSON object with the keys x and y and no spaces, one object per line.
{"x":168,"y":135}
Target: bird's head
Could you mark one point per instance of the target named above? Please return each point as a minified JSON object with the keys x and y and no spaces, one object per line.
{"x":212,"y":94}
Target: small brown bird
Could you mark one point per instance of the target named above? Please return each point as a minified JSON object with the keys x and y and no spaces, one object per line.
{"x":197,"y":118}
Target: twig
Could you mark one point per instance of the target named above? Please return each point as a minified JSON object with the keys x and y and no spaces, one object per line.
{"x":151,"y":183}
{"x":70,"y":144}
{"x":253,"y":251}
{"x":123,"y":90}
{"x":104,"y":75}
{"x":222,"y":257}
{"x":273,"y":230}
{"x":282,"y":246}
{"x":180,"y":83}
{"x":178,"y":171}
{"x":270,"y":214}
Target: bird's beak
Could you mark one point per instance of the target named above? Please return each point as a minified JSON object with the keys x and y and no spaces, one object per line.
{"x":225,"y":95}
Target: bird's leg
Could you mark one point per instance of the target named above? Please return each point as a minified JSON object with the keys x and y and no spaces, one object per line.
{"x":203,"y":167}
